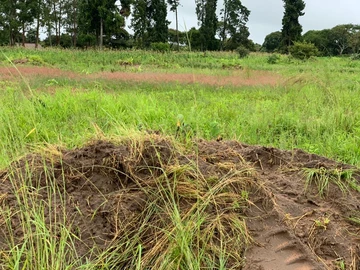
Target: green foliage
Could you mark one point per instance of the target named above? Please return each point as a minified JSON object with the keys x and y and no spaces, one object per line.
{"x":194,"y":39}
{"x":98,"y":17}
{"x":273,"y":59}
{"x":158,"y":11}
{"x":173,"y":36}
{"x":291,"y":28}
{"x":303,"y":50}
{"x":323,"y":177}
{"x":206,"y":14}
{"x":341,"y":39}
{"x":149,"y":22}
{"x":233,"y":29}
{"x":355,"y":56}
{"x":322,"y":118}
{"x":242,"y":51}
{"x":345,"y":37}
{"x":86,"y":41}
{"x":160,"y":47}
{"x":36,"y":60}
{"x":272,"y":42}
{"x":15,"y":16}
{"x":321,"y":39}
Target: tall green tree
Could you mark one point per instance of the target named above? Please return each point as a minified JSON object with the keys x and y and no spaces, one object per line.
{"x":17,"y":16}
{"x":272,"y":42}
{"x":343,"y":38}
{"x":71,"y":21}
{"x":101,"y":18}
{"x":27,"y":10}
{"x":139,"y":22}
{"x":321,"y":39}
{"x":158,"y":24}
{"x":9,"y":19}
{"x":39,"y":17}
{"x":149,"y":22}
{"x":233,"y":30}
{"x":291,"y":28}
{"x":174,"y":4}
{"x":206,"y":14}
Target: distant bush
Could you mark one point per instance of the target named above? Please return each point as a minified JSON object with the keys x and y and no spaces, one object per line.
{"x":242,"y":51}
{"x":355,"y":56}
{"x":273,"y":58}
{"x":303,"y":50}
{"x":160,"y":46}
{"x":36,"y":60}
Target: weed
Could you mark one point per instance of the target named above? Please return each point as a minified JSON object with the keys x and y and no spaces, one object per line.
{"x":323,"y":177}
{"x":322,"y":222}
{"x":340,"y":264}
{"x":273,"y":59}
{"x":354,"y":220}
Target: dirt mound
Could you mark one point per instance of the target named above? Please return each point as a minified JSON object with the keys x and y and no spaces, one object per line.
{"x":260,"y":208}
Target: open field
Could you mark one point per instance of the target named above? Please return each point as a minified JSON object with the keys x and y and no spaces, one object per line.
{"x":142,"y":160}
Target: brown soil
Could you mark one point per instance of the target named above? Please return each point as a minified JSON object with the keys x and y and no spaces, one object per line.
{"x":106,"y":188}
{"x":239,"y":78}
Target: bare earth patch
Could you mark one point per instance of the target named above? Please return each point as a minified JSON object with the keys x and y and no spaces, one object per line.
{"x":106,"y":188}
{"x":239,"y":77}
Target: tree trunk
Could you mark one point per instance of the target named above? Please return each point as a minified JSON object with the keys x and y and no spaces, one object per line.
{"x":59,"y":25}
{"x":75,"y":24}
{"x":177,"y":29}
{"x":101,"y":34}
{"x":56,"y":21}
{"x":49,"y":34}
{"x":37,"y":31}
{"x":11,"y":38}
{"x":11,"y":29}
{"x":23,"y":34}
{"x":224,"y":27}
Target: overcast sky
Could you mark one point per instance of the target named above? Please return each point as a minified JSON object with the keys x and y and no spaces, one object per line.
{"x":266,"y":15}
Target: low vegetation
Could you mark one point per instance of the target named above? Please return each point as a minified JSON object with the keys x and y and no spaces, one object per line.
{"x":161,"y":170}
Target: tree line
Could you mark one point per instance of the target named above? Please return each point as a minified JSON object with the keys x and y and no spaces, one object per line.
{"x":89,"y":23}
{"x":82,"y":23}
{"x":339,"y":40}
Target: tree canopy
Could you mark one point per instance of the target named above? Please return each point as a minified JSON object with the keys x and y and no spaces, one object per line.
{"x":85,"y":23}
{"x":221,"y":26}
{"x":233,"y":30}
{"x":291,"y":28}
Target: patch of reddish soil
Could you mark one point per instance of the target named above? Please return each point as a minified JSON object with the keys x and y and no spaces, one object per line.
{"x":104,"y":189}
{"x":240,"y":78}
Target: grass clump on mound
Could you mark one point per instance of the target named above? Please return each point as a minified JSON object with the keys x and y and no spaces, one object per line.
{"x":135,"y":205}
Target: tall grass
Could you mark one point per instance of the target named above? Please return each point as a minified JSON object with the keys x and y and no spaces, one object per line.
{"x":186,"y":221}
{"x":316,"y":109}
{"x":91,"y":61}
{"x":313,"y":117}
{"x":44,"y":229}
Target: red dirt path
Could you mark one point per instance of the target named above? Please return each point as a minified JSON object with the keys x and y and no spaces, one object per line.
{"x":239,"y":78}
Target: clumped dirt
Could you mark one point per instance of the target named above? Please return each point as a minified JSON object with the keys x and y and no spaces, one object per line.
{"x":105,"y":191}
{"x":239,"y":78}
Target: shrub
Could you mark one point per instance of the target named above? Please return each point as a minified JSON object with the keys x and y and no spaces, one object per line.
{"x":273,"y":58}
{"x":303,"y":50}
{"x":160,"y":46}
{"x":355,"y":56}
{"x":242,"y":51}
{"x":36,"y":60}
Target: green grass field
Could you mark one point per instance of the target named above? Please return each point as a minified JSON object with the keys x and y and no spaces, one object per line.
{"x":316,"y":107}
